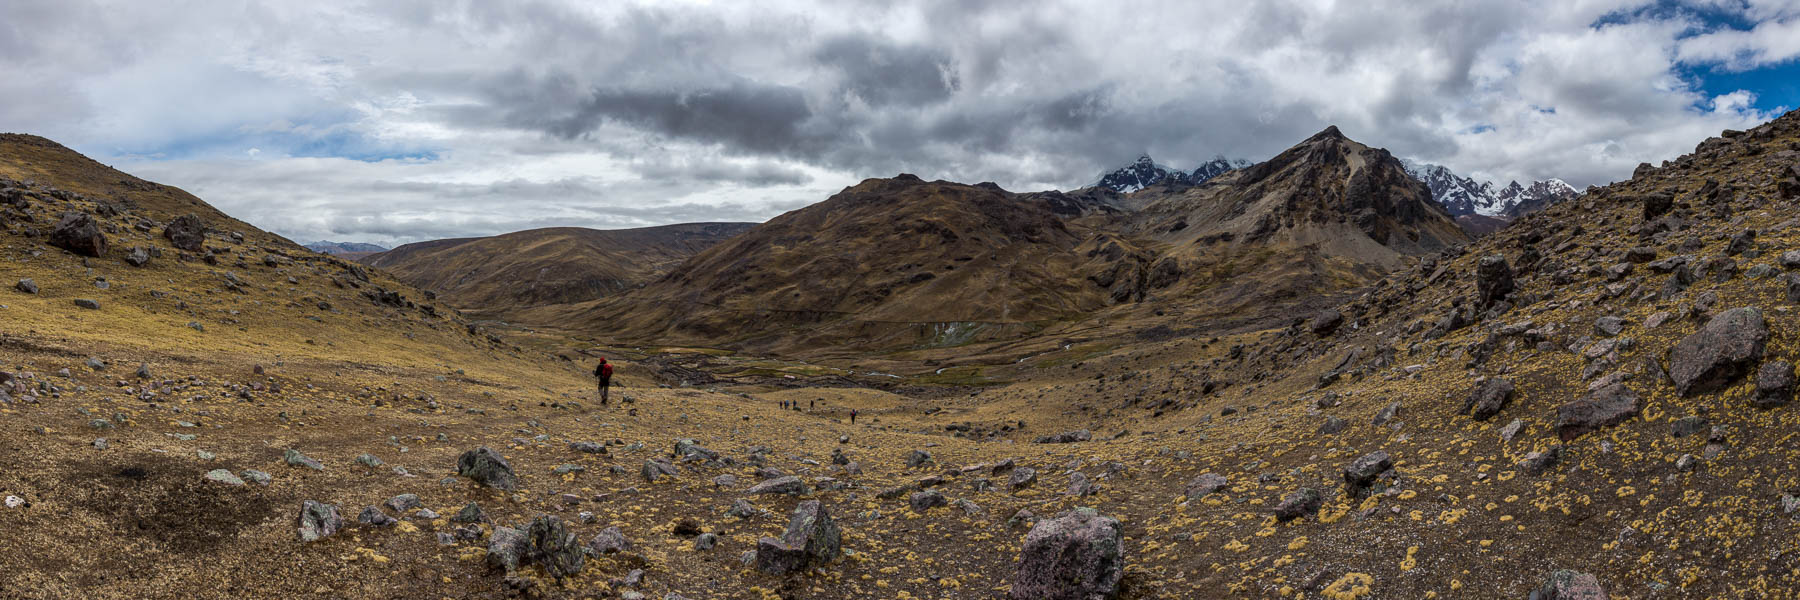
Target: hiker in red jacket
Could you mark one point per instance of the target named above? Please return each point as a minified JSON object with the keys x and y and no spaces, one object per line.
{"x":603,"y":372}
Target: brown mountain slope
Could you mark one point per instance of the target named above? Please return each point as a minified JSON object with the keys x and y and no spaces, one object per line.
{"x":227,"y":284}
{"x":558,"y":265}
{"x":1325,"y":216}
{"x":1616,"y":398}
{"x":888,"y":262}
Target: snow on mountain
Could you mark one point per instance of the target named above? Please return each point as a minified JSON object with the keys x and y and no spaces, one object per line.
{"x":1465,"y":196}
{"x":1145,"y":172}
{"x":1216,"y":167}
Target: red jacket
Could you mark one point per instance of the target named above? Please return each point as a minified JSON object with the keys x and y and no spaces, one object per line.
{"x":604,"y":371}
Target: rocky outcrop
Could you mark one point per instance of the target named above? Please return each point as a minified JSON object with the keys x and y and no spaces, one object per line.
{"x":1078,"y":555}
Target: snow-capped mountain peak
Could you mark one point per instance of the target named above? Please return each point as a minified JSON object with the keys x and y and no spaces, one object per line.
{"x":1146,"y":172}
{"x":1465,"y":196}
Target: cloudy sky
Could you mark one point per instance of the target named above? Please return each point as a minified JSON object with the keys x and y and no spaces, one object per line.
{"x":401,"y":120}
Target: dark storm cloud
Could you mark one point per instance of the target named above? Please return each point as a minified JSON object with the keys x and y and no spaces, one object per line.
{"x":882,"y":73}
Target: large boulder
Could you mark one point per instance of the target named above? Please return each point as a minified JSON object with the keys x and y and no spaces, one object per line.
{"x":1489,"y":398}
{"x":1493,"y":280}
{"x":1604,"y":407}
{"x":507,"y":549}
{"x":1302,"y":502}
{"x":1720,"y":352}
{"x":186,"y":232}
{"x":77,"y":232}
{"x":318,"y":521}
{"x":1326,"y":322}
{"x":811,"y":539}
{"x":1774,"y":384}
{"x":554,"y":547}
{"x":1076,"y":556}
{"x":1364,"y":470}
{"x":488,"y":468}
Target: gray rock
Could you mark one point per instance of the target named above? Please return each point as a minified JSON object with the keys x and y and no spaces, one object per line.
{"x":487,"y":468}
{"x":656,"y":468}
{"x":256,"y":477}
{"x":508,"y":548}
{"x":706,"y":541}
{"x":1535,"y":463}
{"x":609,"y":541}
{"x":1493,"y":281}
{"x":1686,"y":463}
{"x":687,"y":449}
{"x":1326,"y":322}
{"x":372,"y":516}
{"x":1687,"y":426}
{"x":1078,"y":555}
{"x":1609,"y":326}
{"x":811,"y":539}
{"x":1489,"y":398}
{"x":27,"y":286}
{"x":1570,"y":585}
{"x":1332,"y":425}
{"x":587,"y":447}
{"x":1302,"y":502}
{"x":1511,"y":430}
{"x":787,"y":484}
{"x":742,"y":509}
{"x":1604,"y":407}
{"x":1719,"y":352}
{"x":87,"y":304}
{"x":470,"y":513}
{"x":404,"y":502}
{"x":1021,"y":478}
{"x":554,"y":547}
{"x":1774,"y":384}
{"x":926,"y":500}
{"x":1364,"y":470}
{"x":1205,"y":484}
{"x":369,"y":460}
{"x":318,"y":521}
{"x":1386,"y":414}
{"x":917,"y":458}
{"x":223,"y":476}
{"x":295,"y":459}
{"x":79,"y":233}
{"x":186,"y":232}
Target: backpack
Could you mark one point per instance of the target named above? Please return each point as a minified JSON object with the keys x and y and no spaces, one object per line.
{"x":605,"y":371}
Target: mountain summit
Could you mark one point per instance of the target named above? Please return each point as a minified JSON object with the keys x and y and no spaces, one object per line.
{"x":1146,"y":172}
{"x":1464,"y":196}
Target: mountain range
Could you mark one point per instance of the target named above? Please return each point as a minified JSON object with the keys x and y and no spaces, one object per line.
{"x":1478,"y":206}
{"x":1465,"y":196}
{"x":1146,"y":172}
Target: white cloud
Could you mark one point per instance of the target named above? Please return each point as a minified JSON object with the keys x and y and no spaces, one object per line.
{"x":618,"y":114}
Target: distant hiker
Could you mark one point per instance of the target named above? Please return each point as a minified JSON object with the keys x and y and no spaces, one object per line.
{"x":852,"y":416}
{"x":812,"y":405}
{"x":603,"y":372}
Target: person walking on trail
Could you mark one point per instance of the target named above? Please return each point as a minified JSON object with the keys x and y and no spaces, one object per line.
{"x":852,"y":416}
{"x":603,"y":372}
